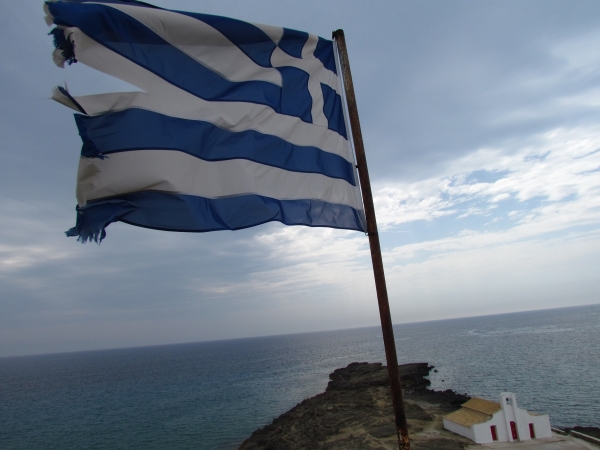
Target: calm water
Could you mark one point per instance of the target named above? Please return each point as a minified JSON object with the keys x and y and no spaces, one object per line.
{"x":212,"y":395}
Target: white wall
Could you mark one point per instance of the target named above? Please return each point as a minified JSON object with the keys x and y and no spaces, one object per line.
{"x":459,"y":429}
{"x":541,"y":426}
{"x":522,"y":418}
{"x":509,"y":405}
{"x":483,"y":432}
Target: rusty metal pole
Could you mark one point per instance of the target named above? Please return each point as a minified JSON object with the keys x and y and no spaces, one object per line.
{"x":380,"y":286}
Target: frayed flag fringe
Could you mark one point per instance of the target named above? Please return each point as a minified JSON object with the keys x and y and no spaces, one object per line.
{"x":97,"y":235}
{"x":62,"y":96}
{"x":89,"y":227}
{"x":65,"y":48}
{"x":93,"y":219}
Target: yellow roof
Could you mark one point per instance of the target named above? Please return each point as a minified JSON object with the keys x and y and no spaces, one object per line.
{"x":467,"y":417}
{"x":482,"y":405}
{"x":477,"y":410}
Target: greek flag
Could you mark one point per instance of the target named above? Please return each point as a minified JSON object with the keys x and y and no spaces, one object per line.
{"x":235,"y":124}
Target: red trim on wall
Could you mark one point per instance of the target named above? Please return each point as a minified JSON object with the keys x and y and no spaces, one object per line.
{"x":531,"y":431}
{"x":513,"y":429}
{"x":494,"y":433}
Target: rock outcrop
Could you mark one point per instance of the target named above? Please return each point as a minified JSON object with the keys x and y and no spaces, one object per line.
{"x":355,"y":412}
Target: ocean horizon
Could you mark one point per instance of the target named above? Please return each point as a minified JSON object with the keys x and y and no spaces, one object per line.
{"x":213,"y":394}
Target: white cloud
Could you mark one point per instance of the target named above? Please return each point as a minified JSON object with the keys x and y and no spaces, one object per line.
{"x":553,"y":167}
{"x":296,"y":260}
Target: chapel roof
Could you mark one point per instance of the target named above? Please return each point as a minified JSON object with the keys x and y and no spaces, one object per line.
{"x":467,"y":417}
{"x":482,"y":405}
{"x":477,"y":410}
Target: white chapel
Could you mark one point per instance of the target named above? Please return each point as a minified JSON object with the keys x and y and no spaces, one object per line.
{"x":484,"y":421}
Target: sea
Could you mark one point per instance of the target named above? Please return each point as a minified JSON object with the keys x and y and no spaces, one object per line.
{"x":212,"y":395}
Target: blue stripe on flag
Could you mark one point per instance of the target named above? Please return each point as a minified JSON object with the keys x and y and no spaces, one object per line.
{"x":333,"y":110}
{"x":295,"y":97}
{"x":178,"y":212}
{"x":129,"y":38}
{"x":137,"y":129}
{"x":293,"y":42}
{"x":324,"y":53}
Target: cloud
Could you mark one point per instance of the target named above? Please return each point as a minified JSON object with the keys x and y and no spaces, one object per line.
{"x":539,"y":256}
{"x":555,"y":167}
{"x":477,"y":76}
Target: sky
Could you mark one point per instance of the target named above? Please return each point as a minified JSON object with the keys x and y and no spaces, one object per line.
{"x":481,"y":123}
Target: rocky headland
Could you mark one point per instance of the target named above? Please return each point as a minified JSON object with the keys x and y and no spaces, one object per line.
{"x":355,"y":412}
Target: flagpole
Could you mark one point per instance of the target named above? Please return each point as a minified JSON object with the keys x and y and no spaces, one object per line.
{"x":380,"y":286}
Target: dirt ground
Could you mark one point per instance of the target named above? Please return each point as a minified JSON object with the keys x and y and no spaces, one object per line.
{"x":557,"y":442}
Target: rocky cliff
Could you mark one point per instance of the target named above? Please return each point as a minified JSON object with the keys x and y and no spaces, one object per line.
{"x":355,"y":412}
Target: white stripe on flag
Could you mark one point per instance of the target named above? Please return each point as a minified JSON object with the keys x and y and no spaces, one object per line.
{"x":232,"y":116}
{"x":177,"y":172}
{"x":310,"y":46}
